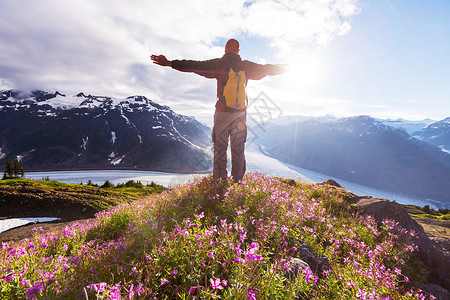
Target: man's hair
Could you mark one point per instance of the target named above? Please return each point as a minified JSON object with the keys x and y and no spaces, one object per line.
{"x":232,"y":46}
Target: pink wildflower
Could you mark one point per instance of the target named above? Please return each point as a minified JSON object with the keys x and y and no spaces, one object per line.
{"x":115,"y":292}
{"x":24,"y":283}
{"x":200,"y":216}
{"x":309,"y":275}
{"x":216,"y":284}
{"x":194,"y":288}
{"x":361,"y":294}
{"x":34,"y":290}
{"x":251,"y":295}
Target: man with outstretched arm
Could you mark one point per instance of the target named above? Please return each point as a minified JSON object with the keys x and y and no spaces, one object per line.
{"x":230,"y":119}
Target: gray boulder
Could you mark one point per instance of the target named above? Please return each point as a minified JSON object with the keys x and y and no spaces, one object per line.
{"x":433,"y":289}
{"x":304,"y":258}
{"x":431,"y":253}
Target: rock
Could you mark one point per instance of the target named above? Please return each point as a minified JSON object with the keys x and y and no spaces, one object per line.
{"x":295,"y":266}
{"x":324,"y":265}
{"x":431,"y":253}
{"x":437,"y":291}
{"x":331,"y":182}
{"x":383,"y":209}
{"x":305,"y":253}
{"x":304,"y":258}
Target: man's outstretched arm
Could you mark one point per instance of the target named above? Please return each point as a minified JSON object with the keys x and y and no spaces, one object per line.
{"x":161,"y":60}
{"x":257,"y":71}
{"x":207,"y":68}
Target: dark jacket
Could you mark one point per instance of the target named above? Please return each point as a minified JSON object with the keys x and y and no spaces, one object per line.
{"x":218,"y":68}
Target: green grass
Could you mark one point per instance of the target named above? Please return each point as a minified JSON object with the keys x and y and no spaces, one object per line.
{"x":94,"y":197}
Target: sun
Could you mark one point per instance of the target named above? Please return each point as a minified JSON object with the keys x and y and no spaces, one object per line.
{"x":305,"y":72}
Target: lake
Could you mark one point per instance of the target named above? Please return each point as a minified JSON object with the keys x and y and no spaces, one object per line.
{"x":173,"y":179}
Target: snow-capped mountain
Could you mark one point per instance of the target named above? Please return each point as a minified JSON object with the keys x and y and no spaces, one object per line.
{"x":55,"y":131}
{"x":437,"y":133}
{"x":407,"y":125}
{"x":363,"y":150}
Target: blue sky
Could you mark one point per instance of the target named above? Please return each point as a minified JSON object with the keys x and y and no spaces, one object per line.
{"x":387,"y":59}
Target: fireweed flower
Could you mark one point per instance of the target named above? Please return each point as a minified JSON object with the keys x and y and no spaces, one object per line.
{"x":24,"y":283}
{"x":114,"y":293}
{"x":251,"y":294}
{"x":250,"y":254}
{"x":194,"y":288}
{"x":201,"y":215}
{"x":309,"y":275}
{"x":351,"y":283}
{"x":164,"y":281}
{"x":98,"y":288}
{"x":216,"y":284}
{"x":361,"y":294}
{"x":34,"y":290}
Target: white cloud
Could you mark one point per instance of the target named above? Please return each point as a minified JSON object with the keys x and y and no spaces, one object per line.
{"x":103,"y":47}
{"x":288,"y":23}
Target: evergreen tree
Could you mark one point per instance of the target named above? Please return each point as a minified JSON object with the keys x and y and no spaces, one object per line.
{"x":9,"y":171}
{"x":16,"y":168}
{"x":13,"y":169}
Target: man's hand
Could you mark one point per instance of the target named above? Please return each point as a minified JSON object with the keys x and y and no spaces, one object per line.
{"x":161,"y":60}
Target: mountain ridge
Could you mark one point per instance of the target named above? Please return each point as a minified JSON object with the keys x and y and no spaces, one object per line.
{"x":51,"y":131}
{"x":363,"y":150}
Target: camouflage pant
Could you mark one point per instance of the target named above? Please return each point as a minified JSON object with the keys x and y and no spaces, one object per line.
{"x":232,"y":125}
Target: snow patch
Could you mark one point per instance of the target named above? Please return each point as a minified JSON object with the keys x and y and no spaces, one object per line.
{"x":442,"y":147}
{"x":85,"y":141}
{"x":20,"y":157}
{"x":134,"y":126}
{"x":157,"y":127}
{"x":62,"y":102}
{"x":113,"y":137}
{"x":12,"y":223}
{"x":117,"y":160}
{"x":2,"y":155}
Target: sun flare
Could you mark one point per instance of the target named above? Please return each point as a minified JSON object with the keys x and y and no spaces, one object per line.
{"x":305,"y":73}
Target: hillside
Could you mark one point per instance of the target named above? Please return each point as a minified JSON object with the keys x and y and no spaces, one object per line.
{"x":265,"y":238}
{"x":30,"y":198}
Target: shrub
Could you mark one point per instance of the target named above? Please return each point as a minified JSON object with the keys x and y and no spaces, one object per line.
{"x":107,"y":184}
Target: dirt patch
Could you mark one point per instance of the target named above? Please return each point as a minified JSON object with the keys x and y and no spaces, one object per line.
{"x":437,"y":230}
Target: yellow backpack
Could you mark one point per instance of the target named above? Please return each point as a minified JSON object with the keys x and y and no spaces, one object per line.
{"x":234,"y":90}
